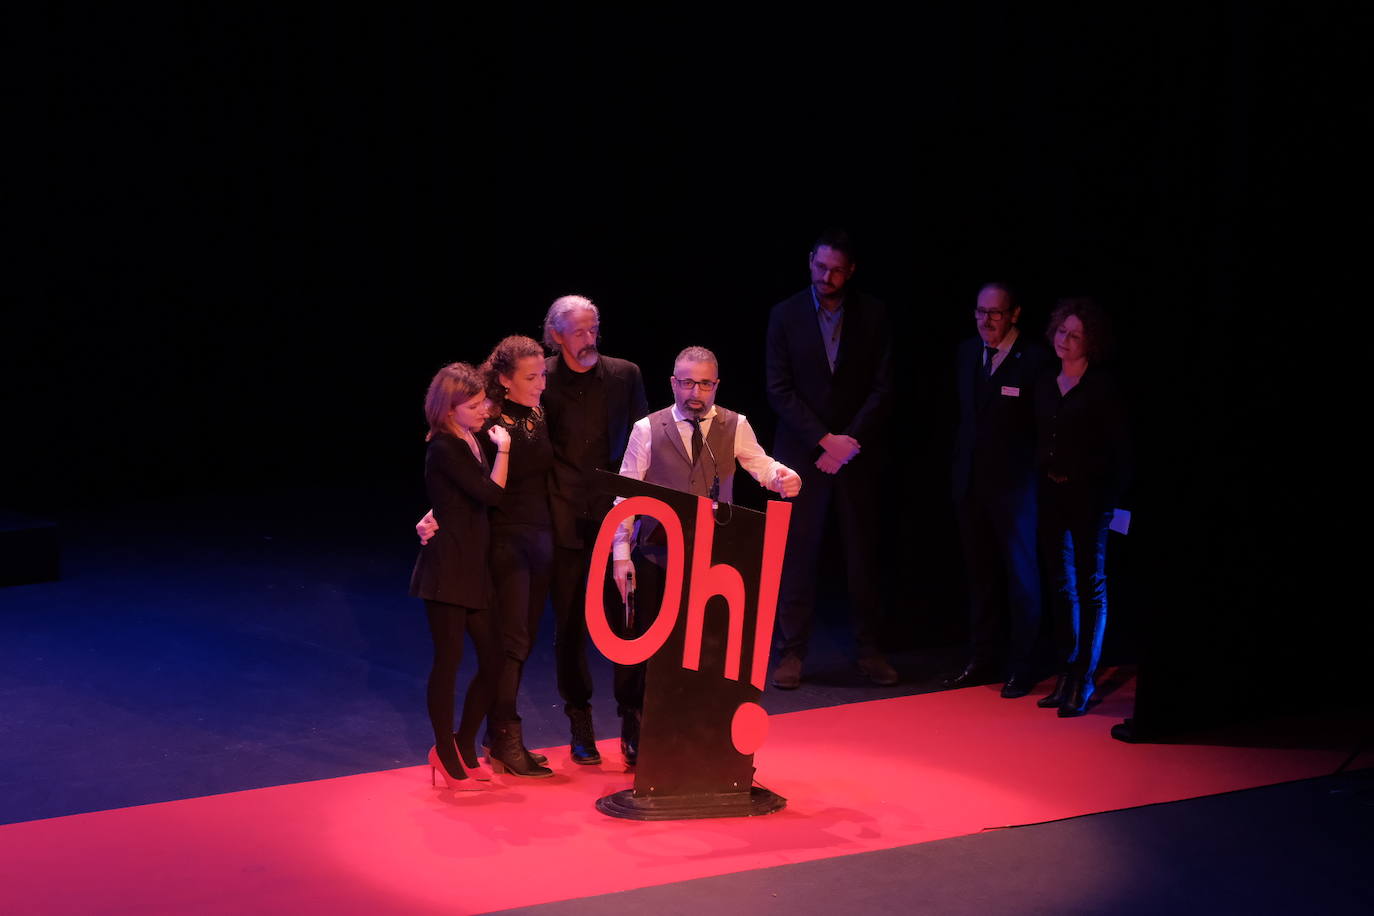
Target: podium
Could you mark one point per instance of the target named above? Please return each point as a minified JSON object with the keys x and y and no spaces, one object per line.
{"x":706,"y":652}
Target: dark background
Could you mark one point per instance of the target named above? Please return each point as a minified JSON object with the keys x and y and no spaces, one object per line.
{"x":246,"y":237}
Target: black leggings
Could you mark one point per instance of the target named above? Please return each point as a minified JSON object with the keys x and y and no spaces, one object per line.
{"x":447,"y":623}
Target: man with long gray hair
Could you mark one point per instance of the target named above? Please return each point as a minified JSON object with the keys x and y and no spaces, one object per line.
{"x":591,"y":401}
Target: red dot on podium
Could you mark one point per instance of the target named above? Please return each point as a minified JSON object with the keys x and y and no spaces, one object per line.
{"x":749,"y":727}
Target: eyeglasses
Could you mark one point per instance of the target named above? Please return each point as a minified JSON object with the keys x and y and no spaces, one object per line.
{"x":690,"y":383}
{"x":994,"y":314}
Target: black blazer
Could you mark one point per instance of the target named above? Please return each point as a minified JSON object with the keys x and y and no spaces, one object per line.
{"x":1083,"y":436}
{"x":995,"y":442}
{"x":453,"y":567}
{"x":570,"y":494}
{"x":808,"y":399}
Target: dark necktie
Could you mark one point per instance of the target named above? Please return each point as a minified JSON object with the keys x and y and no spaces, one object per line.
{"x":696,"y":439}
{"x":987,"y":366}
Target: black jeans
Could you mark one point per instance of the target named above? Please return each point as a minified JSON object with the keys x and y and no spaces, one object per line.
{"x":1073,"y":539}
{"x":521,"y":562}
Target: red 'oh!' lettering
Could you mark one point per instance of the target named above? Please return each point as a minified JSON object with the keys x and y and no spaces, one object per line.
{"x":708,"y":581}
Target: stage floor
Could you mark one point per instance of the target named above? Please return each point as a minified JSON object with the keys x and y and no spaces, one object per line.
{"x":861,"y":777}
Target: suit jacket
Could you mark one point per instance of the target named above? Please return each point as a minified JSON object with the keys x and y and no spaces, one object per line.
{"x":570,"y":495}
{"x":453,"y":567}
{"x":995,"y":443}
{"x":809,"y":400}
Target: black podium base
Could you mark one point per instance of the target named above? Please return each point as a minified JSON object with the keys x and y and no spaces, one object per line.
{"x":690,"y":807}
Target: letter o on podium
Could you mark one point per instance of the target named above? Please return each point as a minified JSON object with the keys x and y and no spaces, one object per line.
{"x":634,"y":651}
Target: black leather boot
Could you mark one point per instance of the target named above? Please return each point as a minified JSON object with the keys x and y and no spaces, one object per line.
{"x":1057,"y":696}
{"x":1080,"y":692}
{"x":534,"y":755}
{"x":583,"y":743}
{"x":508,"y":754}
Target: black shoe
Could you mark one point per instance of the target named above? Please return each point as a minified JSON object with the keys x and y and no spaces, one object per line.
{"x":583,"y":742}
{"x":974,"y":673}
{"x":1077,"y":701}
{"x":787,"y":676}
{"x":1056,"y":696}
{"x":877,"y":670}
{"x":508,"y":754}
{"x":1018,"y":685}
{"x":629,"y":736}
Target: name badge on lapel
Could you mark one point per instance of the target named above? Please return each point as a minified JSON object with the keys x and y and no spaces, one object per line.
{"x":1010,"y":391}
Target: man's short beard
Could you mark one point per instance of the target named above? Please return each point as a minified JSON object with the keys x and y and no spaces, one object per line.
{"x":587,"y":357}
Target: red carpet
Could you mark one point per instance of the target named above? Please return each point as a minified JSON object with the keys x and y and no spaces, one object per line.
{"x":860,"y":777}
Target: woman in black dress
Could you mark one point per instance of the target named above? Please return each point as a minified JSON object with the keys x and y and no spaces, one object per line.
{"x":1083,"y":458}
{"x":522,"y":539}
{"x":453,"y":573}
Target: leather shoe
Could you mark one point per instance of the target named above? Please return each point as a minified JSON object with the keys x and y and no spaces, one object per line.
{"x":582,"y":745}
{"x":629,"y":736}
{"x":787,"y":676}
{"x":876,"y":669}
{"x":1057,"y":695}
{"x":974,"y":673}
{"x":1077,"y":701}
{"x":1018,"y":685}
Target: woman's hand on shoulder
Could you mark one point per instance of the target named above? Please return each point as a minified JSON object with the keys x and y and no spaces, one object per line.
{"x":499,"y":436}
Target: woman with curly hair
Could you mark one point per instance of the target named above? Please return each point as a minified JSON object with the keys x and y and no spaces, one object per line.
{"x":522,"y":539}
{"x":1083,"y":457}
{"x":453,"y":572}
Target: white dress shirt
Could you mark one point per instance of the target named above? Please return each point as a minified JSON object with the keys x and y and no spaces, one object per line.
{"x":748,"y":453}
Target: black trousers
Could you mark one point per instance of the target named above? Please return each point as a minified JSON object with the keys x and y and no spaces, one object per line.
{"x":1073,"y":539}
{"x":649,"y":584}
{"x":521,"y":563}
{"x":854,"y":496}
{"x":998,"y":533}
{"x":569,"y":586}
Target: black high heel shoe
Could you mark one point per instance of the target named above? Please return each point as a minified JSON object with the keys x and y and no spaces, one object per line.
{"x":1057,"y":696}
{"x":1077,"y":701}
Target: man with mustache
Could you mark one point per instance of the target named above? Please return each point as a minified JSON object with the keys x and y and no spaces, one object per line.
{"x":829,"y":377}
{"x":691,"y":446}
{"x":994,"y":492}
{"x":590,"y":402}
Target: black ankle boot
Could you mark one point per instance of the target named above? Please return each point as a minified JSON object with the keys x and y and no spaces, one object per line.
{"x":534,"y":755}
{"x":1057,"y":696}
{"x":508,"y":754}
{"x":1080,"y":692}
{"x":583,"y":742}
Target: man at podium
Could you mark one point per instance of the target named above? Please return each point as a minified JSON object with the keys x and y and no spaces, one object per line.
{"x":691,"y":446}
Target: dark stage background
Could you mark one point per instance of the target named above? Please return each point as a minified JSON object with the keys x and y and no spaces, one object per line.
{"x":248,"y":236}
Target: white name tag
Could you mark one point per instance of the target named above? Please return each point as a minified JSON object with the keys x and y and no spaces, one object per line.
{"x":1010,"y":392}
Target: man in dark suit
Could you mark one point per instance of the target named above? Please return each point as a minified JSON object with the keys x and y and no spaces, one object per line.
{"x":591,"y":401}
{"x":829,"y":376}
{"x":994,"y":492}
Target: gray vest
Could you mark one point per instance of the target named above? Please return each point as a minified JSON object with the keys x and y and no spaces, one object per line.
{"x":670,"y":466}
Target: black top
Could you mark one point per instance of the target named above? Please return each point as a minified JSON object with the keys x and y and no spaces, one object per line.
{"x":526,"y":501}
{"x":1083,"y":436}
{"x":453,"y":567}
{"x":589,"y":416}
